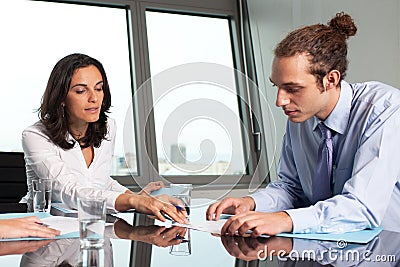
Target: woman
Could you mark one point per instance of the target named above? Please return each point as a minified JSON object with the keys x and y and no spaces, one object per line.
{"x":73,"y":142}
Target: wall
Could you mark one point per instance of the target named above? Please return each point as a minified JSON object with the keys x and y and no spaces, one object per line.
{"x":373,"y":51}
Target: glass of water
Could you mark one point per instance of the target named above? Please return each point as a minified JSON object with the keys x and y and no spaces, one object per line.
{"x":41,"y":189}
{"x":183,"y":192}
{"x":92,"y":218}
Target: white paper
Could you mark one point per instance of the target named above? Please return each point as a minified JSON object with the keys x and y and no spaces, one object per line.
{"x":65,"y":225}
{"x":213,"y":227}
{"x":125,"y":215}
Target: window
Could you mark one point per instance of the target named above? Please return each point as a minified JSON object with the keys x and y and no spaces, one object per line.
{"x":41,"y":34}
{"x":199,"y":147}
{"x":199,"y":140}
{"x":200,"y":132}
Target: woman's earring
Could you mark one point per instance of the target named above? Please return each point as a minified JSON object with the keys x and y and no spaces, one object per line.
{"x":63,"y":111}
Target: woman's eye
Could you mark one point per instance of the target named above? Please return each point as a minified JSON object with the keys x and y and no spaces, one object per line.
{"x":99,"y":89}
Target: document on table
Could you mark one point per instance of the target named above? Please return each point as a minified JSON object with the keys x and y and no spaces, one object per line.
{"x":213,"y":227}
{"x":65,"y":225}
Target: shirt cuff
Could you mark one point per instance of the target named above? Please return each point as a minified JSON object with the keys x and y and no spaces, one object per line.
{"x":111,"y":198}
{"x":260,"y":202}
{"x":118,"y":187}
{"x":304,"y":220}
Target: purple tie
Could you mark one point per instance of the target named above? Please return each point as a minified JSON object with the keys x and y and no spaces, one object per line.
{"x":322,"y":179}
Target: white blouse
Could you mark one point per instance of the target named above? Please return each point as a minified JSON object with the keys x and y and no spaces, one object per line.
{"x":67,"y":168}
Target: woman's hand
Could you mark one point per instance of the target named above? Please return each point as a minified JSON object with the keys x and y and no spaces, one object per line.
{"x":150,"y":187}
{"x":25,"y":227}
{"x":177,"y":202}
{"x":150,"y":205}
{"x":159,"y":208}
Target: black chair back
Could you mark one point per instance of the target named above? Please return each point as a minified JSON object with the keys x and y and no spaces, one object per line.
{"x":12,"y":177}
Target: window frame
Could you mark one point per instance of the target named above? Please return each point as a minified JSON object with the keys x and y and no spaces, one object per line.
{"x":140,"y":72}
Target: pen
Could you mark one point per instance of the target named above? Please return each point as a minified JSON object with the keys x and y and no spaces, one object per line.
{"x":43,"y":224}
{"x":178,"y":207}
{"x":182,"y":238}
{"x":167,"y":216}
{"x":182,"y":209}
{"x":179,"y":237}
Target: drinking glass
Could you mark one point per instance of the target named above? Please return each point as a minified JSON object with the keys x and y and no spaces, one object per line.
{"x":92,"y":218}
{"x":183,"y":192}
{"x":41,"y":189}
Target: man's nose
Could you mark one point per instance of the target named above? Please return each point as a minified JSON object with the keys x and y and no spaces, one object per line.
{"x":282,"y":98}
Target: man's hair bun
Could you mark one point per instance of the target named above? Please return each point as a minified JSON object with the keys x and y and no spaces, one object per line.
{"x":343,"y":24}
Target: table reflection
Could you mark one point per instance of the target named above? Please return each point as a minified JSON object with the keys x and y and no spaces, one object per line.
{"x":21,"y":247}
{"x":160,"y":236}
{"x":67,"y":252}
{"x":249,"y":249}
{"x":149,"y":242}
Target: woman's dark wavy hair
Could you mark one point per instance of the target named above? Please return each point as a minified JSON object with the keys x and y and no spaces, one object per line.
{"x":51,"y":111}
{"x":324,"y":45}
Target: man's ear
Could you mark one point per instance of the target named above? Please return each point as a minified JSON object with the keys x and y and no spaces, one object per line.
{"x":331,"y":79}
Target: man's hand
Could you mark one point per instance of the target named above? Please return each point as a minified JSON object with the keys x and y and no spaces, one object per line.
{"x":269,"y":223}
{"x":229,"y":206}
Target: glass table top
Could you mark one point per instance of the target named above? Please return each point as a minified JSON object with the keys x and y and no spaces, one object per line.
{"x":137,"y":240}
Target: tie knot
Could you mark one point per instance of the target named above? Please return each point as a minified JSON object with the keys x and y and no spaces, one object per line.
{"x":326,"y":132}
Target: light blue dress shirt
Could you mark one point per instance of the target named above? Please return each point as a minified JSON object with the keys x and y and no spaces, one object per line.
{"x":366,"y":170}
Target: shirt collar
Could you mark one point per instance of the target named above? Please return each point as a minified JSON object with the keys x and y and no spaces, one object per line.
{"x":339,"y":117}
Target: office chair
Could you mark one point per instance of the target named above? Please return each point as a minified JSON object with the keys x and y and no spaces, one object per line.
{"x":12,"y":177}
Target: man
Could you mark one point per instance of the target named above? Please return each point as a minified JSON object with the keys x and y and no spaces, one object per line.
{"x":360,"y":121}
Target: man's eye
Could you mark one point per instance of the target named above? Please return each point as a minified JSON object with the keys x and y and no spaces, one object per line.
{"x":292,"y":90}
